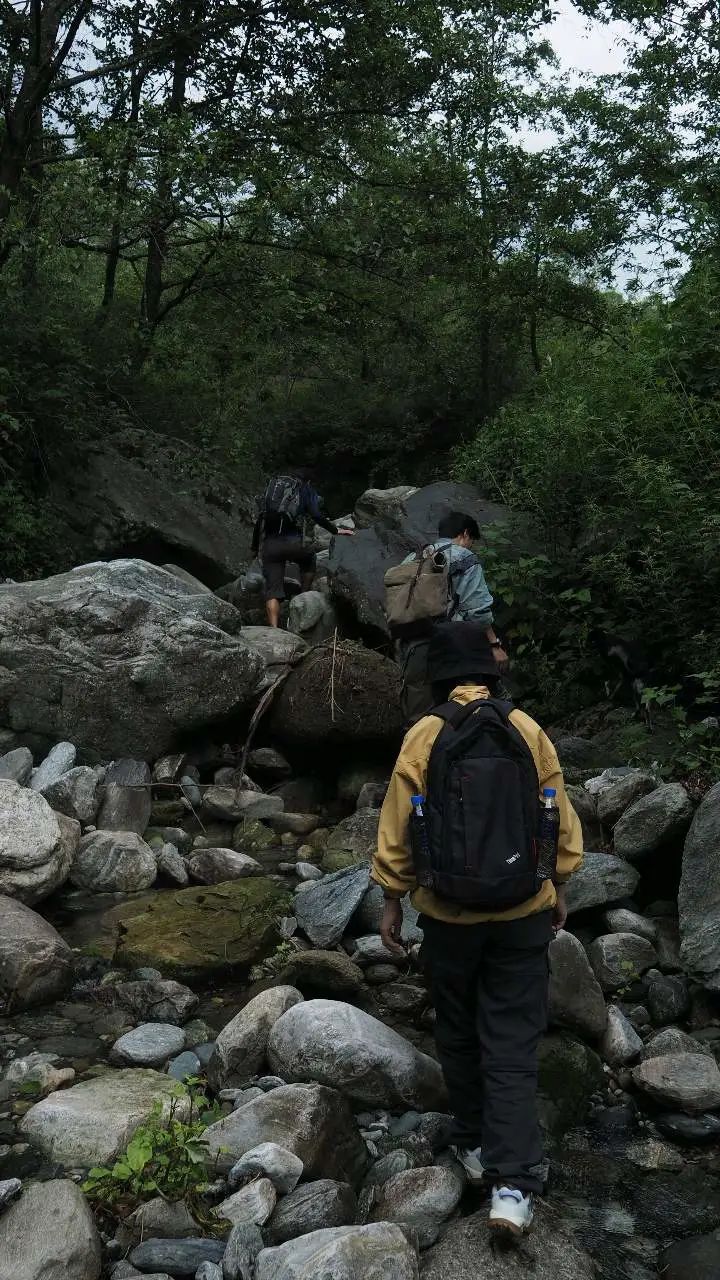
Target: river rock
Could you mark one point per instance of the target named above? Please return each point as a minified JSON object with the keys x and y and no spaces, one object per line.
{"x":383,"y":506}
{"x":149,"y":1045}
{"x":466,"y":1252}
{"x":253,"y":1203}
{"x":169,"y":1219}
{"x":667,"y":997}
{"x":324,"y":910}
{"x":602,"y":878}
{"x":294,"y":824}
{"x":621,"y":793}
{"x":378,"y":1251}
{"x":37,"y":846}
{"x":621,"y":1043}
{"x":671,"y":1040}
{"x":75,"y":794}
{"x":368,"y":917}
{"x":685,"y":1080}
{"x":653,"y":821}
{"x":156,"y":1000}
{"x":312,"y":1207}
{"x":347,"y":1049}
{"x":241,"y":1046}
{"x":419,"y":1198}
{"x":216,"y":866}
{"x":620,"y":920}
{"x":323,"y":972}
{"x":171,"y":865}
{"x":56,"y":763}
{"x":16,"y":766}
{"x":313,"y":1122}
{"x":619,"y":959}
{"x":695,"y":1259}
{"x":371,"y":949}
{"x":269,"y":764}
{"x":92,"y":1122}
{"x":194,"y":933}
{"x":139,"y":657}
{"x":231,"y":804}
{"x":279,"y":650}
{"x":570,"y":1073}
{"x":693,"y":1130}
{"x":576,"y":999}
{"x":35,"y":962}
{"x":353,"y":840}
{"x":243,"y":1248}
{"x":126,"y":797}
{"x":339,"y":695}
{"x":37,"y":1069}
{"x":699,"y":896}
{"x":49,"y":1234}
{"x":113,"y":862}
{"x":311,"y":615}
{"x":281,"y":1166}
{"x":178,"y":1258}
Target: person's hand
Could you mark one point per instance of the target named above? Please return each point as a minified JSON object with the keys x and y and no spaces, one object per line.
{"x":560,"y":911}
{"x":391,"y":926}
{"x":502,"y":658}
{"x":346,"y":533}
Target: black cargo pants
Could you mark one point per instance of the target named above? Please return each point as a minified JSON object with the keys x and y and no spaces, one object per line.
{"x":489,"y":984}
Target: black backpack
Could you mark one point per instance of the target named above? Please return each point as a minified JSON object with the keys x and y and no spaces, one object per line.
{"x":482,"y":806}
{"x":284,"y":497}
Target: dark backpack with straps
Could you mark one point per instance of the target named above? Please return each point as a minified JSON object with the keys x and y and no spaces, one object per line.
{"x":481,"y":810}
{"x":284,"y":497}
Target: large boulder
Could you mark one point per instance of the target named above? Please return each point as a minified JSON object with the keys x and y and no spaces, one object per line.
{"x":686,"y":1080}
{"x":92,"y":1122}
{"x":353,"y":840}
{"x":120,"y":656}
{"x":601,"y":879}
{"x":619,"y":959}
{"x":699,"y":896}
{"x":35,"y":963}
{"x":49,"y":1234}
{"x":37,"y":846}
{"x":347,"y":1049}
{"x":653,"y":821}
{"x":339,"y":694}
{"x":137,"y":492}
{"x":113,"y":862}
{"x":311,"y":615}
{"x":241,"y":1046}
{"x":313,"y":1122}
{"x":383,"y":506}
{"x":324,"y":911}
{"x":194,"y":933}
{"x":378,"y":1251}
{"x":466,"y":1252}
{"x":357,"y":566}
{"x":576,"y":999}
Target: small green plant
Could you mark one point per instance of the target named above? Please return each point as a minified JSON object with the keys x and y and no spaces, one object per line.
{"x":165,"y":1157}
{"x":695,"y":753}
{"x":275,"y":963}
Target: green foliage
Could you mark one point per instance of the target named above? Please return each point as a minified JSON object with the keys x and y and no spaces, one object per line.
{"x":274,"y":963}
{"x":165,"y":1157}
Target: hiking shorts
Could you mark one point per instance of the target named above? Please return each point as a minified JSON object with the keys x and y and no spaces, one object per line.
{"x":276,"y":554}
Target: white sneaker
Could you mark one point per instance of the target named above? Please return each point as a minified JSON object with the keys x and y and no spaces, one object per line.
{"x":511,"y":1212}
{"x":471,"y":1162}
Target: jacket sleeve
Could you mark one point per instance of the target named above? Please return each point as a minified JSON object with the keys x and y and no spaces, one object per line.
{"x":474,"y":601}
{"x":570,"y":847}
{"x":392,"y":866}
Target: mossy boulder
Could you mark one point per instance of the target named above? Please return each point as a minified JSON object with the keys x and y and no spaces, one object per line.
{"x":352,"y":841}
{"x":339,"y":695}
{"x":194,"y":933}
{"x":570,"y":1073}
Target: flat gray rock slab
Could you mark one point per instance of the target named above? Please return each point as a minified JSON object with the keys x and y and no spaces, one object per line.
{"x":324,"y":910}
{"x":149,"y":1045}
{"x":602,"y":879}
{"x":378,"y":1251}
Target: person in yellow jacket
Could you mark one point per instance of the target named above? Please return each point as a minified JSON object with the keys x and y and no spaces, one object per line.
{"x":488,"y":971}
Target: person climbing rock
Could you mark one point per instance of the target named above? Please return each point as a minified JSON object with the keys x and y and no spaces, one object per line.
{"x":290,"y":499}
{"x":465,"y":793}
{"x":469,"y":600}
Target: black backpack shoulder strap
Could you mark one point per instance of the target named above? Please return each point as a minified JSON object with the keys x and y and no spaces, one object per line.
{"x":456,"y":713}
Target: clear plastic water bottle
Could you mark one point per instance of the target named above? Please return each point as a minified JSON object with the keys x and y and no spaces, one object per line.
{"x":419,"y":842}
{"x":548,"y":835}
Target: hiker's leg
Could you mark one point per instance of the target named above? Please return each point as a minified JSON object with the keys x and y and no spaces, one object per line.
{"x":274,"y":557}
{"x":511,"y":1017}
{"x":450,"y":956}
{"x":307,"y":562}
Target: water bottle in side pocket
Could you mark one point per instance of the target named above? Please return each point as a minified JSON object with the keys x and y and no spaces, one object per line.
{"x":548,"y":835}
{"x":419,"y":843}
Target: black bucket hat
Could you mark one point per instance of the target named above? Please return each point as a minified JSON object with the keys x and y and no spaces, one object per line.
{"x":458,"y":650}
